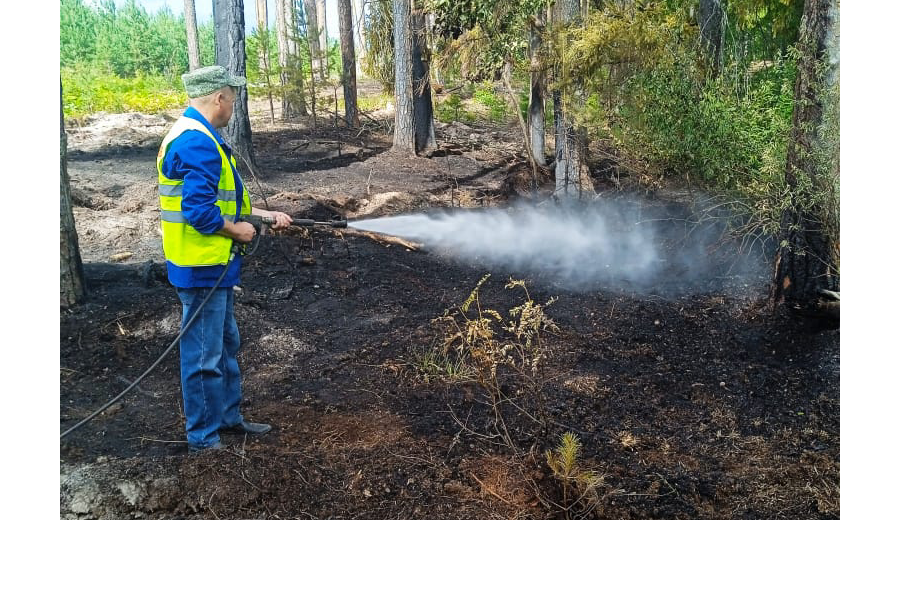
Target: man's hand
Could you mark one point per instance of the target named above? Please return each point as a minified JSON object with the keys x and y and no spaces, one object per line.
{"x":241,"y":231}
{"x":282,"y":220}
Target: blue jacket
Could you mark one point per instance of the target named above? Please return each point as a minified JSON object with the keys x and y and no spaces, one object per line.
{"x":194,"y":158}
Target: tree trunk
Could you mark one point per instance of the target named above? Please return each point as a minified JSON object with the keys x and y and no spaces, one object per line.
{"x":526,"y":139}
{"x":423,"y":108}
{"x":808,"y":257}
{"x":348,"y":63}
{"x":312,"y":34}
{"x":711,"y":19}
{"x":322,"y":20}
{"x":404,"y":122}
{"x":72,"y":289}
{"x":281,"y":37}
{"x":536,"y":98}
{"x":572,"y":175}
{"x":295,"y":61}
{"x":262,"y":32}
{"x":228,"y":19}
{"x":262,"y":29}
{"x":293,"y":100}
{"x":190,"y":24}
{"x":437,"y":77}
{"x":359,"y":31}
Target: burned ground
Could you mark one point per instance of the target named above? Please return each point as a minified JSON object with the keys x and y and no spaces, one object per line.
{"x":687,"y":404}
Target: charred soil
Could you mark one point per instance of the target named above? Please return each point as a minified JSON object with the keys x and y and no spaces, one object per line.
{"x":687,"y":405}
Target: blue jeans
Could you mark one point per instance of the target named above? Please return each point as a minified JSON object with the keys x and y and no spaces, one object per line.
{"x":210,"y":377}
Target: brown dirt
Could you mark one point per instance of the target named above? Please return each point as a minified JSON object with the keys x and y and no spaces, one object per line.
{"x":688,"y":406}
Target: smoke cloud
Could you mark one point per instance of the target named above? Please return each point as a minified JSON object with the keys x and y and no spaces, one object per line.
{"x":617,"y":243}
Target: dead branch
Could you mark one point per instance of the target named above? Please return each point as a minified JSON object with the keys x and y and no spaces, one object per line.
{"x":490,"y":491}
{"x":385,"y":239}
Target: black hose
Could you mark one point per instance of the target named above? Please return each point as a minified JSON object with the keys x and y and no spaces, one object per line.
{"x":163,"y":355}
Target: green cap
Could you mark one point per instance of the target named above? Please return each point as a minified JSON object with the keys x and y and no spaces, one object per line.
{"x":206,"y":80}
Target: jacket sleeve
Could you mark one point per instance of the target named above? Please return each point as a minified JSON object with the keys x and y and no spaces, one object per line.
{"x":193,"y":157}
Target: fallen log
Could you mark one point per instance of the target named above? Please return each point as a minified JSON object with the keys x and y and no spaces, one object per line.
{"x":829,"y":310}
{"x":384,"y":239}
{"x":829,"y":304}
{"x":827,"y":307}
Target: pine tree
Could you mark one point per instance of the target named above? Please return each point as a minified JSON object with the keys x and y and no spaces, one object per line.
{"x":228,"y":18}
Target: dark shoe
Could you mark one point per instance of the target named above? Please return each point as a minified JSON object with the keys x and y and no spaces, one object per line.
{"x":214,"y":446}
{"x":247,"y":427}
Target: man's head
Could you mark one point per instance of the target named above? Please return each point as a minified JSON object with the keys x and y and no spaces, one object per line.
{"x":212,"y":92}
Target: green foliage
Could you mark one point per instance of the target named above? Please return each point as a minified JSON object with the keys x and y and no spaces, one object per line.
{"x":87,"y":89}
{"x":723,"y":138}
{"x":335,"y":62}
{"x":496,"y":104}
{"x":438,"y":363}
{"x":116,"y":58}
{"x":126,"y":40}
{"x":644,"y":86}
{"x":206,"y":39}
{"x":452,"y":109}
{"x":486,"y":104}
{"x":482,"y":34}
{"x":77,"y":32}
{"x":374,"y":102}
{"x":766,"y":27}
{"x":256,"y":73}
{"x":378,"y":61}
{"x":524,"y":100}
{"x":579,"y":485}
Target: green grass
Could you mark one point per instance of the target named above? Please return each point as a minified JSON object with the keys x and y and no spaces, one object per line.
{"x":495,"y":103}
{"x":87,"y":90}
{"x":374,"y":102}
{"x":434,"y":363}
{"x":452,"y":109}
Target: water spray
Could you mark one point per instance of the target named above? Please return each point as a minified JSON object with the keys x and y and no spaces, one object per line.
{"x":613,"y":243}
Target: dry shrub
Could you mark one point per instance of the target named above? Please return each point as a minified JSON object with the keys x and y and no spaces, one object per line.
{"x":501,"y":351}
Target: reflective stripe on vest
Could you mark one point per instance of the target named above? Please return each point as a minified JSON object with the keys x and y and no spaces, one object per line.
{"x":182,"y":244}
{"x":176,"y":216}
{"x":175,"y":190}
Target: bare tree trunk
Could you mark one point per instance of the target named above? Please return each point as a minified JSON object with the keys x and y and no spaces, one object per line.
{"x":572,"y":176}
{"x":404,"y":121}
{"x":423,"y":108}
{"x":348,"y":63}
{"x":293,"y":100}
{"x":359,"y":31}
{"x":711,"y":19}
{"x":190,"y":24}
{"x":322,"y":20}
{"x":312,"y":40}
{"x":72,"y":289}
{"x":808,"y":257}
{"x":529,"y":152}
{"x":262,"y":32}
{"x":281,"y":35}
{"x":437,"y":78}
{"x":228,"y":19}
{"x":262,"y":27}
{"x":536,"y":98}
{"x":295,"y":60}
{"x":312,"y":34}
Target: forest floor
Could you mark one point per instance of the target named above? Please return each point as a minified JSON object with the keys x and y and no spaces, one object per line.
{"x":687,"y":404}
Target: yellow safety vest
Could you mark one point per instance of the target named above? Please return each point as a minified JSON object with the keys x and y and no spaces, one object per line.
{"x":182,"y":244}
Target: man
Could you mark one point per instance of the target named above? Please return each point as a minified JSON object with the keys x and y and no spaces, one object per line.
{"x":202,"y":197}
